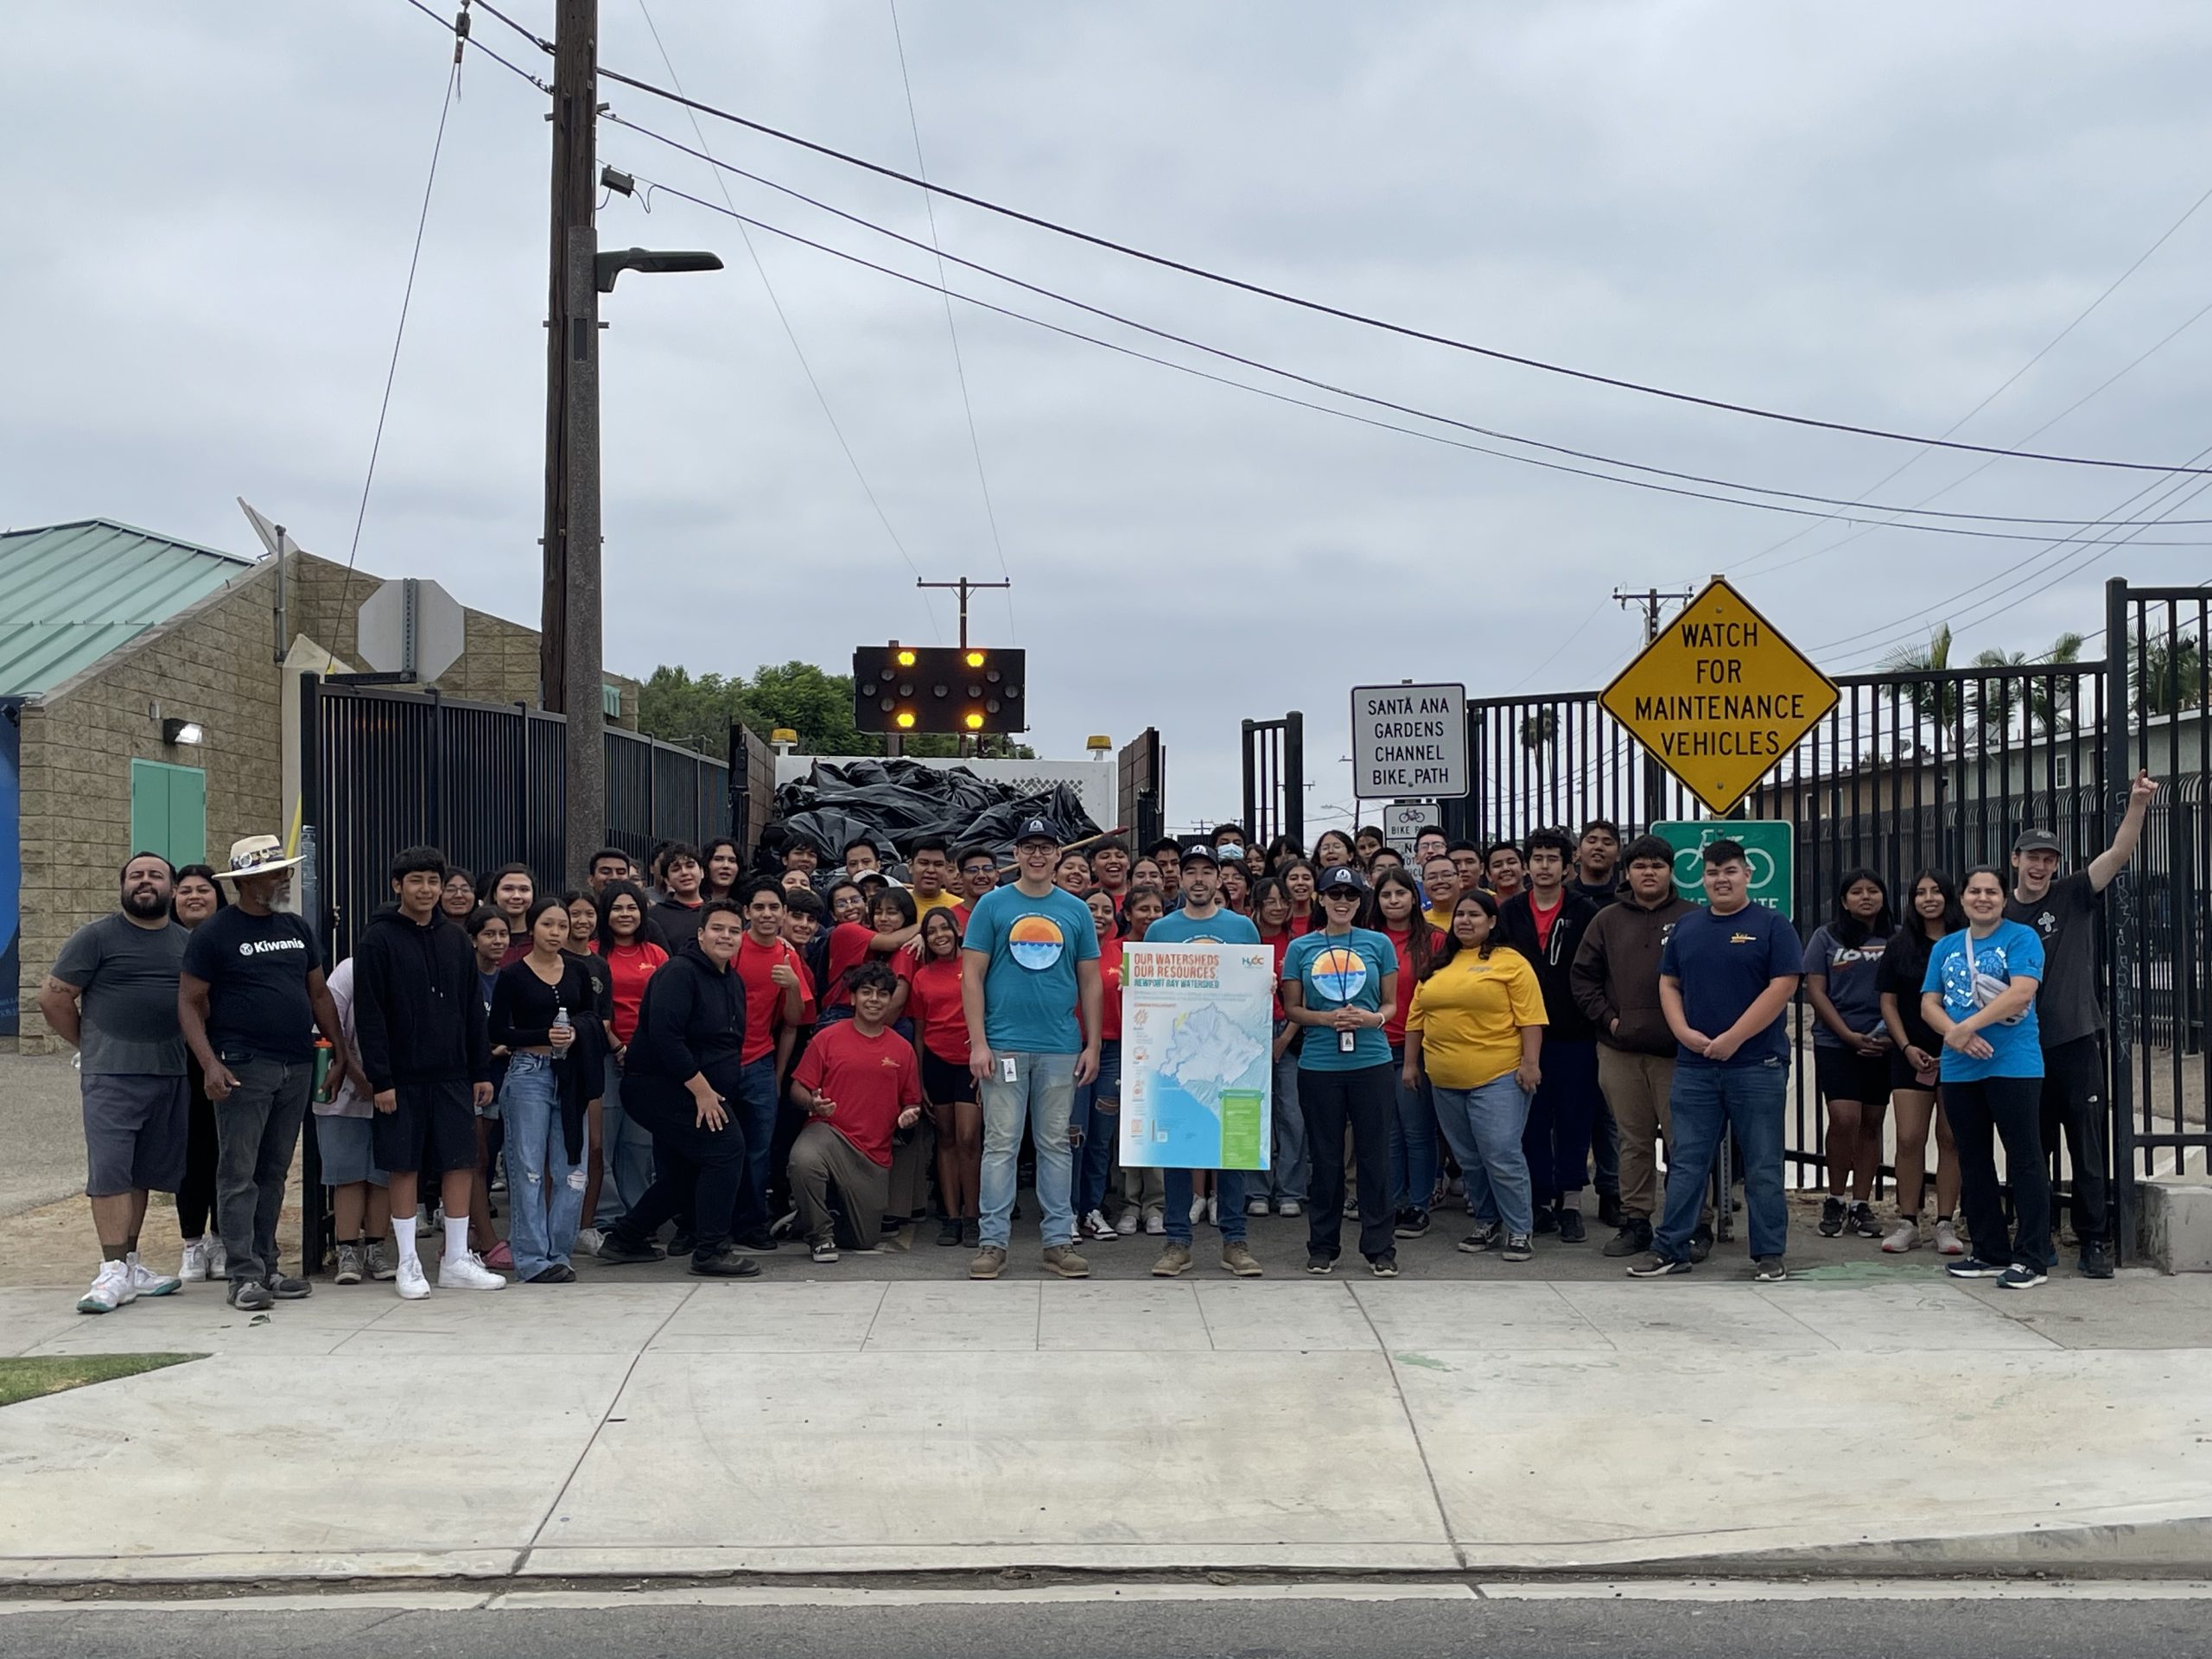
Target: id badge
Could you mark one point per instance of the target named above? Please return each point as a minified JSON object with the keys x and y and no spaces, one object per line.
{"x":1347,"y":1041}
{"x":1008,"y":1071}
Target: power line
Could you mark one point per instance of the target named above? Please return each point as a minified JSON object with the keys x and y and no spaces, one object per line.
{"x":791,"y":335}
{"x":399,"y":335}
{"x":2006,"y":384}
{"x":959,"y":368}
{"x":1301,"y":402}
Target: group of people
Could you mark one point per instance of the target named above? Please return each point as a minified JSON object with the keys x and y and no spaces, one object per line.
{"x":688,"y":1059}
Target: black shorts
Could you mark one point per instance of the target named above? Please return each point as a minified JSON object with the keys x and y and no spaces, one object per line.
{"x":433,"y":1130}
{"x":944,"y":1083}
{"x":1844,"y":1074}
{"x":1902,"y":1075}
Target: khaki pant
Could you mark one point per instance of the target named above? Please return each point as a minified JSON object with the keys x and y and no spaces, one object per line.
{"x":821,"y":1155}
{"x":1636,"y":1087}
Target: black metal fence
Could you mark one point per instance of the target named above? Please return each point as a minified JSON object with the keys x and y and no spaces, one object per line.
{"x":384,"y":768}
{"x":1141,"y":787}
{"x":1274,"y":778}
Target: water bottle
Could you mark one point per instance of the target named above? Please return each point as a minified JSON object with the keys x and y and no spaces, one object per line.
{"x":561,"y":1023}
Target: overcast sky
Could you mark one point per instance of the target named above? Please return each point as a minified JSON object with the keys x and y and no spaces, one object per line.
{"x":1868,"y":213}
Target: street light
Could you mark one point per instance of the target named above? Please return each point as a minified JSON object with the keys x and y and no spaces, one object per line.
{"x":605,"y":267}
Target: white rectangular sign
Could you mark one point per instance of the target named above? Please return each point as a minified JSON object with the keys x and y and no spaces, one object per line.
{"x":1409,"y":740}
{"x":1402,"y":822}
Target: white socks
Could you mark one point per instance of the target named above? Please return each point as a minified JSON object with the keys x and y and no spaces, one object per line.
{"x":403,"y":1237}
{"x":456,"y":1237}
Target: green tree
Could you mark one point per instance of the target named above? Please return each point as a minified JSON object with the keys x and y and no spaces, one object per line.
{"x":2168,"y":673}
{"x":2048,"y":701}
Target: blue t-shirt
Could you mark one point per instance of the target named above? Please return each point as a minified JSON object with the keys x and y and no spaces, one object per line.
{"x":1339,"y":970}
{"x":2013,"y":950}
{"x":1029,"y":987}
{"x":1722,"y":964}
{"x":1222,"y":927}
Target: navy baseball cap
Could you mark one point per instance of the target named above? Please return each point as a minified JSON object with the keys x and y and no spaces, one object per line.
{"x":1343,"y":879}
{"x":1200,"y":852}
{"x":1036,"y":830}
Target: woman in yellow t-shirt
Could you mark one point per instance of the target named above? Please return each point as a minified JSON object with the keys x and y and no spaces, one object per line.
{"x":1478,"y":1021}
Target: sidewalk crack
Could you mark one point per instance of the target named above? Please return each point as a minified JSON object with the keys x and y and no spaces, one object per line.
{"x":1420,"y":1447}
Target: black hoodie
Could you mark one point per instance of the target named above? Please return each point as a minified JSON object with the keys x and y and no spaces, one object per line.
{"x":1554,"y":963}
{"x":691,"y":1020}
{"x":418,"y":1009}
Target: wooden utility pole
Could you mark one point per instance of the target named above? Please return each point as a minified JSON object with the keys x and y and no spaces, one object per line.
{"x":570,"y":647}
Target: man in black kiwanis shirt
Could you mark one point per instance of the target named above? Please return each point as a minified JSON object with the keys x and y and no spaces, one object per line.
{"x":249,"y":1001}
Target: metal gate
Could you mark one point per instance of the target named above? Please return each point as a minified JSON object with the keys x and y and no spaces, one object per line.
{"x":1274,"y":779}
{"x":1942,"y":767}
{"x":1142,"y":787}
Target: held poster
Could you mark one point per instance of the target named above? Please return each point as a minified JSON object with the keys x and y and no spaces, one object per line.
{"x":1197,"y":1024}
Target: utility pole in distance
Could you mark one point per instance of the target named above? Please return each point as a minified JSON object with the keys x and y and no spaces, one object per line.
{"x":1655,"y":782}
{"x":569,"y":667}
{"x":964,"y":587}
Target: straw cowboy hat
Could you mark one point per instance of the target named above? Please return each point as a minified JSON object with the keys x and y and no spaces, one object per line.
{"x":257,"y":855}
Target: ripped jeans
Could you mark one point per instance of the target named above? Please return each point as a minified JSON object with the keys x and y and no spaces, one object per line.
{"x":545,"y":1191}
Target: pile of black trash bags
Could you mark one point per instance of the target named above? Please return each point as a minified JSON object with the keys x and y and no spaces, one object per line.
{"x":897,"y":803}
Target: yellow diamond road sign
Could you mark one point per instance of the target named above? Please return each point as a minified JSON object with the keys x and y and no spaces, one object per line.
{"x":1719,"y":697}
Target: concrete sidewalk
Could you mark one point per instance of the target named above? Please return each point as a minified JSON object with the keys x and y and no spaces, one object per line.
{"x":815,"y":1427}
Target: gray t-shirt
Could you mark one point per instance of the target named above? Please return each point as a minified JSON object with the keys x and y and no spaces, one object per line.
{"x":128,"y":974}
{"x":2066,"y":919}
{"x":1853,"y":973}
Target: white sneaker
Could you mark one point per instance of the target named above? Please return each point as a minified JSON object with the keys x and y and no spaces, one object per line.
{"x":219,"y":1259}
{"x":1256,"y":1207}
{"x":112,"y":1290}
{"x":144,"y":1281}
{"x":410,"y":1282}
{"x":1126,"y":1224}
{"x":1198,"y":1210}
{"x":1097,"y":1228}
{"x":1905,"y":1236}
{"x":1156,"y":1225}
{"x":1213,"y":1210}
{"x":468,"y":1272}
{"x":588,"y":1240}
{"x":1948,"y":1242}
{"x":192,"y":1264}
{"x":1290,"y":1207}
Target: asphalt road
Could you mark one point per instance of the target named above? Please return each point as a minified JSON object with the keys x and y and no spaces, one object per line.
{"x":1431,"y":1627}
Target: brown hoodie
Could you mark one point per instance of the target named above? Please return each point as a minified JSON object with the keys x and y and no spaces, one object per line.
{"x":1615,"y":974}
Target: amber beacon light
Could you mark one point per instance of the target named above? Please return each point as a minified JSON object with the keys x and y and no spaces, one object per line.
{"x":962,"y":690}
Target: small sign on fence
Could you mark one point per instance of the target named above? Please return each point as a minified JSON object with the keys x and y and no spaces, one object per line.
{"x":1719,"y":697}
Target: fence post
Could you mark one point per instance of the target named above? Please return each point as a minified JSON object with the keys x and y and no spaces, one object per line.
{"x":2122,"y":922}
{"x":1293,"y":776}
{"x":1251,"y":779}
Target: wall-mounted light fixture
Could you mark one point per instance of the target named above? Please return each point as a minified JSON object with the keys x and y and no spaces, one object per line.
{"x":190,"y":732}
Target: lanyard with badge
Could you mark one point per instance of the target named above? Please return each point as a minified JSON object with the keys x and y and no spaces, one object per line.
{"x":1347,"y":1041}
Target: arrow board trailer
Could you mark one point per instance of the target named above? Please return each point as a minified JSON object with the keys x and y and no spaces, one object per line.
{"x":1407,"y":741}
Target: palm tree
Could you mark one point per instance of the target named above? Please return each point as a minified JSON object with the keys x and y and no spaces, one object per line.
{"x":2168,"y":673}
{"x":1932,"y":700}
{"x":2049,"y":700}
{"x":1539,"y":729}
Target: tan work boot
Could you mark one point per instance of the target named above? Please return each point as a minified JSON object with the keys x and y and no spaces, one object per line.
{"x":1063,"y":1261}
{"x":1236,"y":1256}
{"x":989,"y":1262}
{"x":1173,"y":1261}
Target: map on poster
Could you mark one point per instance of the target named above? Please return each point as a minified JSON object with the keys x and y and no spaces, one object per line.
{"x":1197,"y":1024}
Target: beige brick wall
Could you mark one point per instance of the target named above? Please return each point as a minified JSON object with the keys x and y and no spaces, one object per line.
{"x":212,"y":662}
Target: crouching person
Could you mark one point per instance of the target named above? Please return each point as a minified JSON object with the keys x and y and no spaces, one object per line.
{"x":859,"y":1082}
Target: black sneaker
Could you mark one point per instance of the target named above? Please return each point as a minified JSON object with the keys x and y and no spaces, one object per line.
{"x":1484,"y":1238}
{"x":1863,"y":1223}
{"x":1633,"y":1239}
{"x":1972,"y":1267}
{"x":1769,"y":1270}
{"x":1700,"y":1241}
{"x":753,"y":1244}
{"x":287,"y":1289}
{"x":1832,"y":1217}
{"x":681,"y":1243}
{"x":1610,"y":1213}
{"x":1546,"y":1221}
{"x":2096,"y":1260}
{"x":1384,"y":1266}
{"x":971,"y":1232}
{"x":1413,"y":1223}
{"x":2020,"y":1276}
{"x":1517,"y":1248}
{"x":725,"y":1263}
{"x":948,"y":1232}
{"x":1655,"y":1266}
{"x":1318,"y":1264}
{"x":619,"y":1251}
{"x":1570,"y":1226}
{"x":554,"y":1273}
{"x":250,"y":1294}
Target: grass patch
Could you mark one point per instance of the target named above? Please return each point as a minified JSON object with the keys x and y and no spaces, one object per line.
{"x":27,"y":1379}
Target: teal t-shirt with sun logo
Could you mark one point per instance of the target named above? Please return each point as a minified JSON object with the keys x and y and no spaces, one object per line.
{"x":1340,"y":971}
{"x":1029,"y":983}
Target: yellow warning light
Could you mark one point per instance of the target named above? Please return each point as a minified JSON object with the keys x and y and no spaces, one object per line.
{"x":905,"y":659}
{"x":975,"y":659}
{"x":975,"y":720}
{"x":906,"y":720}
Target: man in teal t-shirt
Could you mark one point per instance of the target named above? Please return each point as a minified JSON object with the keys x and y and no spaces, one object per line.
{"x":1337,"y":981}
{"x":1030,"y":958}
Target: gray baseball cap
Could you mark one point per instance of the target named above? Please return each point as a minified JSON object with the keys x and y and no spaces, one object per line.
{"x":2038,"y":841}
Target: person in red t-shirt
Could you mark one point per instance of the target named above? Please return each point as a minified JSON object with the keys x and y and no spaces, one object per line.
{"x":1413,"y":1142}
{"x":1144,"y":1192}
{"x":779,"y":991}
{"x":860,"y":1083}
{"x":941,"y":1030}
{"x":632,"y":958}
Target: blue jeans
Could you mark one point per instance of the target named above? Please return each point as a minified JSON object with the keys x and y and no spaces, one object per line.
{"x":1041,"y":1093}
{"x":1228,"y":1204}
{"x":1413,"y":1139}
{"x":546,"y":1192}
{"x":1483,"y":1127}
{"x":1701,"y":1102}
{"x":755,"y":1108}
{"x":1097,"y":1108}
{"x":1289,"y":1172}
{"x":626,"y":1148}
